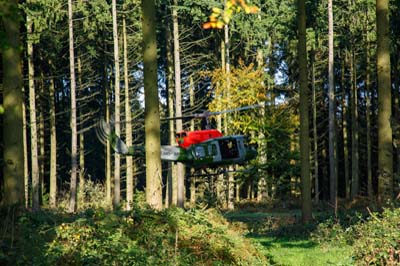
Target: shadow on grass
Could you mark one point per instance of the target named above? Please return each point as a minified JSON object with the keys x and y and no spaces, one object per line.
{"x":288,"y":224}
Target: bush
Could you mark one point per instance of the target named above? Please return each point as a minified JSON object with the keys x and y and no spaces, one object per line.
{"x":139,"y":237}
{"x":378,"y":239}
{"x":92,"y":195}
{"x":329,"y":232}
{"x":375,"y":239}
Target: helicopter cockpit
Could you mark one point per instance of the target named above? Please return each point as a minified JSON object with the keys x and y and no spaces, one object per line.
{"x":229,"y":148}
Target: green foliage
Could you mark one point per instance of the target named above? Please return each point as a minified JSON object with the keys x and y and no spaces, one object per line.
{"x":329,"y":232}
{"x":374,"y":240}
{"x":91,"y":195}
{"x":378,"y":239}
{"x":241,"y":87}
{"x":139,"y":237}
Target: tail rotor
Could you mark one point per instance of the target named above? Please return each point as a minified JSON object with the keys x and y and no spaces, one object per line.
{"x":103,"y":131}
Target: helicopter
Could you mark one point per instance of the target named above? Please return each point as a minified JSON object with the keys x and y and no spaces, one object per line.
{"x":206,"y":148}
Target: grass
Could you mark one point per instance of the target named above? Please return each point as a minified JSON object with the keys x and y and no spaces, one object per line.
{"x":302,"y":252}
{"x":286,"y":242}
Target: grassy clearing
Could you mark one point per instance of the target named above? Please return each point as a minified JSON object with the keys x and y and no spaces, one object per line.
{"x":302,"y":252}
{"x":285,"y":241}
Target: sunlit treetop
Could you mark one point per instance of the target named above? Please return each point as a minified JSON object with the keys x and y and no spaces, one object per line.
{"x":219,"y":18}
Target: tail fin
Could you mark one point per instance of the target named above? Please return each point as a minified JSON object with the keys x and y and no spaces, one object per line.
{"x":104,"y":132}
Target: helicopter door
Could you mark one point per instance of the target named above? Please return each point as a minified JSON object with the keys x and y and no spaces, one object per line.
{"x":229,"y":148}
{"x":214,"y":152}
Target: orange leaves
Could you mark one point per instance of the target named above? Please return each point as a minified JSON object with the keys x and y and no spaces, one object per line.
{"x":219,"y":18}
{"x":213,"y":25}
{"x":248,"y":9}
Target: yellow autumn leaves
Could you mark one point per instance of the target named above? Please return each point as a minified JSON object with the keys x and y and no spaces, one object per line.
{"x":221,"y":17}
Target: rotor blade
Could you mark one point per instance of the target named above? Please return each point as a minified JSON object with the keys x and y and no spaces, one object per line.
{"x":236,"y":109}
{"x":104,"y":132}
{"x":178,"y":117}
{"x":206,"y":114}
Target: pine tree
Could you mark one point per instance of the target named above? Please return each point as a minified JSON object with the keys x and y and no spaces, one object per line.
{"x":385,"y":150}
{"x":13,"y":156}
{"x":152,"y":115}
{"x":304,"y":120}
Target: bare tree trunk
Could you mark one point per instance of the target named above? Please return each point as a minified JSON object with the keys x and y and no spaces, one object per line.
{"x":368,"y":116}
{"x":26,"y":160}
{"x":178,"y":103}
{"x":152,"y":115}
{"x":171,"y":179}
{"x":81,"y":196}
{"x":74,"y":164}
{"x":304,"y":120}
{"x":355,"y":184}
{"x":81,"y":193}
{"x":385,"y":149}
{"x":315,"y":131}
{"x":345,"y":130}
{"x":332,"y":116}
{"x":117,"y":160}
{"x":192,"y":128}
{"x":53,"y":146}
{"x":13,"y":153}
{"x":396,"y":134}
{"x":41,"y":139}
{"x":33,"y":122}
{"x":237,"y":191}
{"x":108,"y":153}
{"x":128,"y":124}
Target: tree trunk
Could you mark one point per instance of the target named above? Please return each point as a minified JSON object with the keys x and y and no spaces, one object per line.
{"x":355,"y":178}
{"x":26,"y":159}
{"x":192,"y":128}
{"x":33,"y":121}
{"x":345,"y":130}
{"x":385,"y":150}
{"x":368,"y":115}
{"x":152,"y":115}
{"x":315,"y":131}
{"x":53,"y":146}
{"x":13,"y":153}
{"x":81,"y":196}
{"x":304,"y":120}
{"x":74,"y":164}
{"x":41,"y":138}
{"x":397,"y":118}
{"x":81,"y":193}
{"x":332,"y":116}
{"x":171,"y":179}
{"x":108,"y":152}
{"x":128,"y":124}
{"x":178,"y":104}
{"x":117,"y":160}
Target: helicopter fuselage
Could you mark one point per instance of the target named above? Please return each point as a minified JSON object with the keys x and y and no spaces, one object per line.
{"x":211,"y":153}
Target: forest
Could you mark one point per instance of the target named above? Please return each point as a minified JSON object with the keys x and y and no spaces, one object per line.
{"x":93,"y":94}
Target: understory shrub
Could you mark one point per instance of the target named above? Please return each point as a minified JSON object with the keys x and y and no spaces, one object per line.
{"x":378,"y":239}
{"x":139,"y":237}
{"x":374,"y":240}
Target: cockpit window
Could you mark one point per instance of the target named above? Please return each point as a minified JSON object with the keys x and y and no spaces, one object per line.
{"x":199,"y":152}
{"x":212,"y":149}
